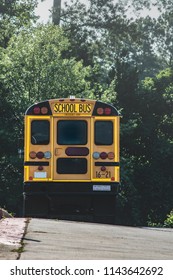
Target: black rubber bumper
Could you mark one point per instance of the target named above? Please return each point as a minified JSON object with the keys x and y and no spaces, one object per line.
{"x":71,"y":188}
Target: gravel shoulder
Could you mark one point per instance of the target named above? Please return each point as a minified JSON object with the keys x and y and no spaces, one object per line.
{"x":11,"y":233}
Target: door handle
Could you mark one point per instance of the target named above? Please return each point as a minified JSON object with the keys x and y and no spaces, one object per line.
{"x":58,"y":151}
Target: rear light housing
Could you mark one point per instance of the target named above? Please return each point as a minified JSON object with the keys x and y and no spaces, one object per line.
{"x":40,"y":155}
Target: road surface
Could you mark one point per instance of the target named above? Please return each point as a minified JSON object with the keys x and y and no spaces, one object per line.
{"x":61,"y":240}
{"x":41,"y":239}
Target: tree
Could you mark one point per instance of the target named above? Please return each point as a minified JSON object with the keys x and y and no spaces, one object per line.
{"x":34,"y":69}
{"x":152,"y":147}
{"x":15,"y":15}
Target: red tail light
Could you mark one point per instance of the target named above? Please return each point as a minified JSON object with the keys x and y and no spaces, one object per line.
{"x":103,"y":168}
{"x":36,"y":110}
{"x":40,"y":155}
{"x":40,"y":168}
{"x":103,"y":155}
{"x":107,"y":111}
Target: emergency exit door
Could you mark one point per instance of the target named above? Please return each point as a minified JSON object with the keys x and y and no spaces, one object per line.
{"x":71,"y":149}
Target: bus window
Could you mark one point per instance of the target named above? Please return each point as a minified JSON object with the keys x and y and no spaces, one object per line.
{"x":71,"y":132}
{"x":103,"y":133}
{"x":40,"y":132}
{"x":71,"y":165}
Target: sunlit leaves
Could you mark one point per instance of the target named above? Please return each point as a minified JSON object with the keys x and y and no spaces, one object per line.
{"x":35,"y":69}
{"x":14,"y":16}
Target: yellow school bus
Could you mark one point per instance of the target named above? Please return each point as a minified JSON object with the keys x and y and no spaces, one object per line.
{"x":71,"y":159}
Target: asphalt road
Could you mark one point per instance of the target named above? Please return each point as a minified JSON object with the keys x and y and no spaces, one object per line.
{"x":64,"y":240}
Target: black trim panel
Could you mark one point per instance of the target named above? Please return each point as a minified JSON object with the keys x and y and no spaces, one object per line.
{"x":69,"y":188}
{"x":103,"y":105}
{"x":36,"y":163}
{"x":107,"y":163}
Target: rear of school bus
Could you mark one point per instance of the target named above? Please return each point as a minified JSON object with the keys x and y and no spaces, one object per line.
{"x":71,"y":162}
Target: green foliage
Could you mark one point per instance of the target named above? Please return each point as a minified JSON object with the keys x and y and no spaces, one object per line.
{"x":33,"y":68}
{"x":153,"y":147}
{"x":11,"y":169}
{"x":14,"y":16}
{"x":169,"y":220}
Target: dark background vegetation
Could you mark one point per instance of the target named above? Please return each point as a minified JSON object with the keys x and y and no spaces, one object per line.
{"x":116,"y":51}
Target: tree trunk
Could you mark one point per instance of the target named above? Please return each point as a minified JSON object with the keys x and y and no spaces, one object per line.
{"x":56,"y":12}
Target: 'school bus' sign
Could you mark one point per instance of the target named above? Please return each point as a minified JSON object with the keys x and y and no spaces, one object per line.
{"x":72,"y":108}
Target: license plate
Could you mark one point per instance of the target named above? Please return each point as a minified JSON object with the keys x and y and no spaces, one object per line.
{"x":102,"y":188}
{"x":40,"y":175}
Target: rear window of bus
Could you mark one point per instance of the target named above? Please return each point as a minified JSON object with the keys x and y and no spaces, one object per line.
{"x":103,"y":133}
{"x":40,"y":132}
{"x":71,"y":132}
